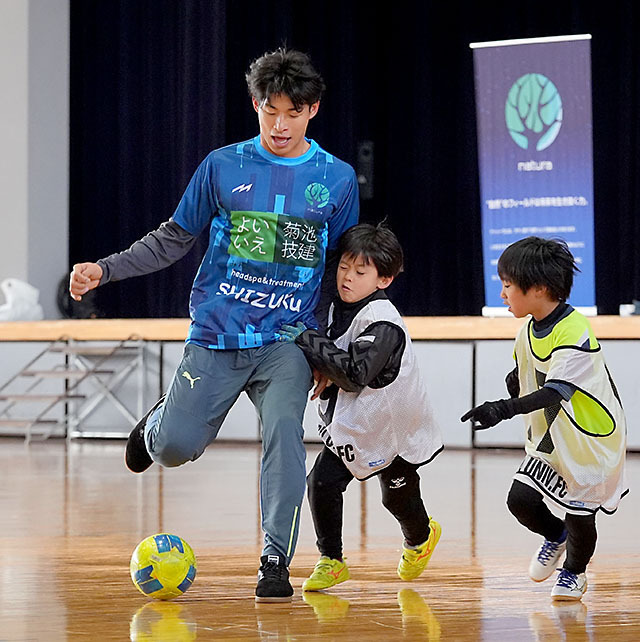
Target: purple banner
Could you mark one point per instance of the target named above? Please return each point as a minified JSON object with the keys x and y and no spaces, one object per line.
{"x":533,"y":102}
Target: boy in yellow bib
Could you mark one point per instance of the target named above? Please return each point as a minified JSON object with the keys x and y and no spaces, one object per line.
{"x":575,"y":426}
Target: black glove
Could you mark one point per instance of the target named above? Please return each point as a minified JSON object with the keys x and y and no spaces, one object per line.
{"x":513,"y":383}
{"x":490,"y":413}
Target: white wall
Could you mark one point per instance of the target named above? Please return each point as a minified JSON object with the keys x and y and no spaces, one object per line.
{"x":34,"y":144}
{"x":13,"y":137}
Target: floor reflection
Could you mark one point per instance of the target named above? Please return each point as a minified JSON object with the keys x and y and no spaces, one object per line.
{"x":72,"y":516}
{"x":562,"y":621}
{"x":327,"y":608}
{"x":163,"y":622}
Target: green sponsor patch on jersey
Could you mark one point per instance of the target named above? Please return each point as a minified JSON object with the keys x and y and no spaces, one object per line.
{"x":275,"y":238}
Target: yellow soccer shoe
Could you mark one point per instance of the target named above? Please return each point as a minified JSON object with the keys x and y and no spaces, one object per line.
{"x":415,"y":560}
{"x":327,"y":573}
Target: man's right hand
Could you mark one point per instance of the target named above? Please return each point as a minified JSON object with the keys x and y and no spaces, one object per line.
{"x":84,"y":277}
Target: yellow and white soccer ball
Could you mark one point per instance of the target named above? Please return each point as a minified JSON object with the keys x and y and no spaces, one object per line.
{"x":163,"y":566}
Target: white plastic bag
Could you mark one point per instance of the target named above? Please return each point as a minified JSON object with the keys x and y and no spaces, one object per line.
{"x":21,"y":301}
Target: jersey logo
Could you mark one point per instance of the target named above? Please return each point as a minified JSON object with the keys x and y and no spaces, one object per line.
{"x":190,"y":379}
{"x":399,"y":482}
{"x":242,"y":188}
{"x":317,"y":195}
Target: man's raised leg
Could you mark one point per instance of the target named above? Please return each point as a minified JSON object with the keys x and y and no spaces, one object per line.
{"x":204,"y":387}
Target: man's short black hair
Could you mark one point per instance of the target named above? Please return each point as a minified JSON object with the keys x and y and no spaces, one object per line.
{"x":376,"y":244}
{"x":536,"y":261}
{"x":287,"y":72}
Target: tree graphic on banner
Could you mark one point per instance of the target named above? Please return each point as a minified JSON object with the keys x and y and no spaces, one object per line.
{"x":533,"y":112}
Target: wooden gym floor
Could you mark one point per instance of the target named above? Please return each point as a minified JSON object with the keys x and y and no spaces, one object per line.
{"x":72,"y":515}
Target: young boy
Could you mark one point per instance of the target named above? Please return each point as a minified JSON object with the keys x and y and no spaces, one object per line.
{"x":376,"y":419}
{"x":576,"y":430}
{"x":274,"y":208}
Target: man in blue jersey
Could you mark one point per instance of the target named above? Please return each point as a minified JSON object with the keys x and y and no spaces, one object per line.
{"x":274,"y":207}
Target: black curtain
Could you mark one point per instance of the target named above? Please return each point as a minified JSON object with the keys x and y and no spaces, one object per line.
{"x":147,"y":104}
{"x":155,"y":85}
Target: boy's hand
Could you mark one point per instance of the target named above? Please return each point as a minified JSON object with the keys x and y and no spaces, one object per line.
{"x":322,"y":382}
{"x":290,"y":333}
{"x":489,"y":414}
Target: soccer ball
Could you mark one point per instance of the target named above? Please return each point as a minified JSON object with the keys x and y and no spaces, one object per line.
{"x":163,"y":566}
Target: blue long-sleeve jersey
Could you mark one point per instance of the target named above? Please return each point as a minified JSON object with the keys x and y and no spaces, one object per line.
{"x":271,"y":220}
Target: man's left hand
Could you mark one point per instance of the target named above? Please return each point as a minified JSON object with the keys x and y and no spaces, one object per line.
{"x":289,"y":333}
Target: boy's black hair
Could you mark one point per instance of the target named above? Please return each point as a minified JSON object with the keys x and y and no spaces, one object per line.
{"x":288,"y":72}
{"x":536,"y":261}
{"x":376,"y":244}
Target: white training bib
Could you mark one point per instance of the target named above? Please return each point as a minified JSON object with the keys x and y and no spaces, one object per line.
{"x":370,"y":428}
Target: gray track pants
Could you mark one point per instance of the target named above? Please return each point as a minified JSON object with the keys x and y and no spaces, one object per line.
{"x":206,"y":384}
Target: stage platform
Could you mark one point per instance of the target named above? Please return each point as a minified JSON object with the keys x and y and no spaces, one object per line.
{"x":421,"y":329}
{"x":463,"y":359}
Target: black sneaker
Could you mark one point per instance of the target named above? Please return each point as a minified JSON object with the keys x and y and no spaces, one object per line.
{"x":136,"y":456}
{"x":273,"y":580}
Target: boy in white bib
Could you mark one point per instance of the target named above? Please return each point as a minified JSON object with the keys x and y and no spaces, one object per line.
{"x":375,"y":418}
